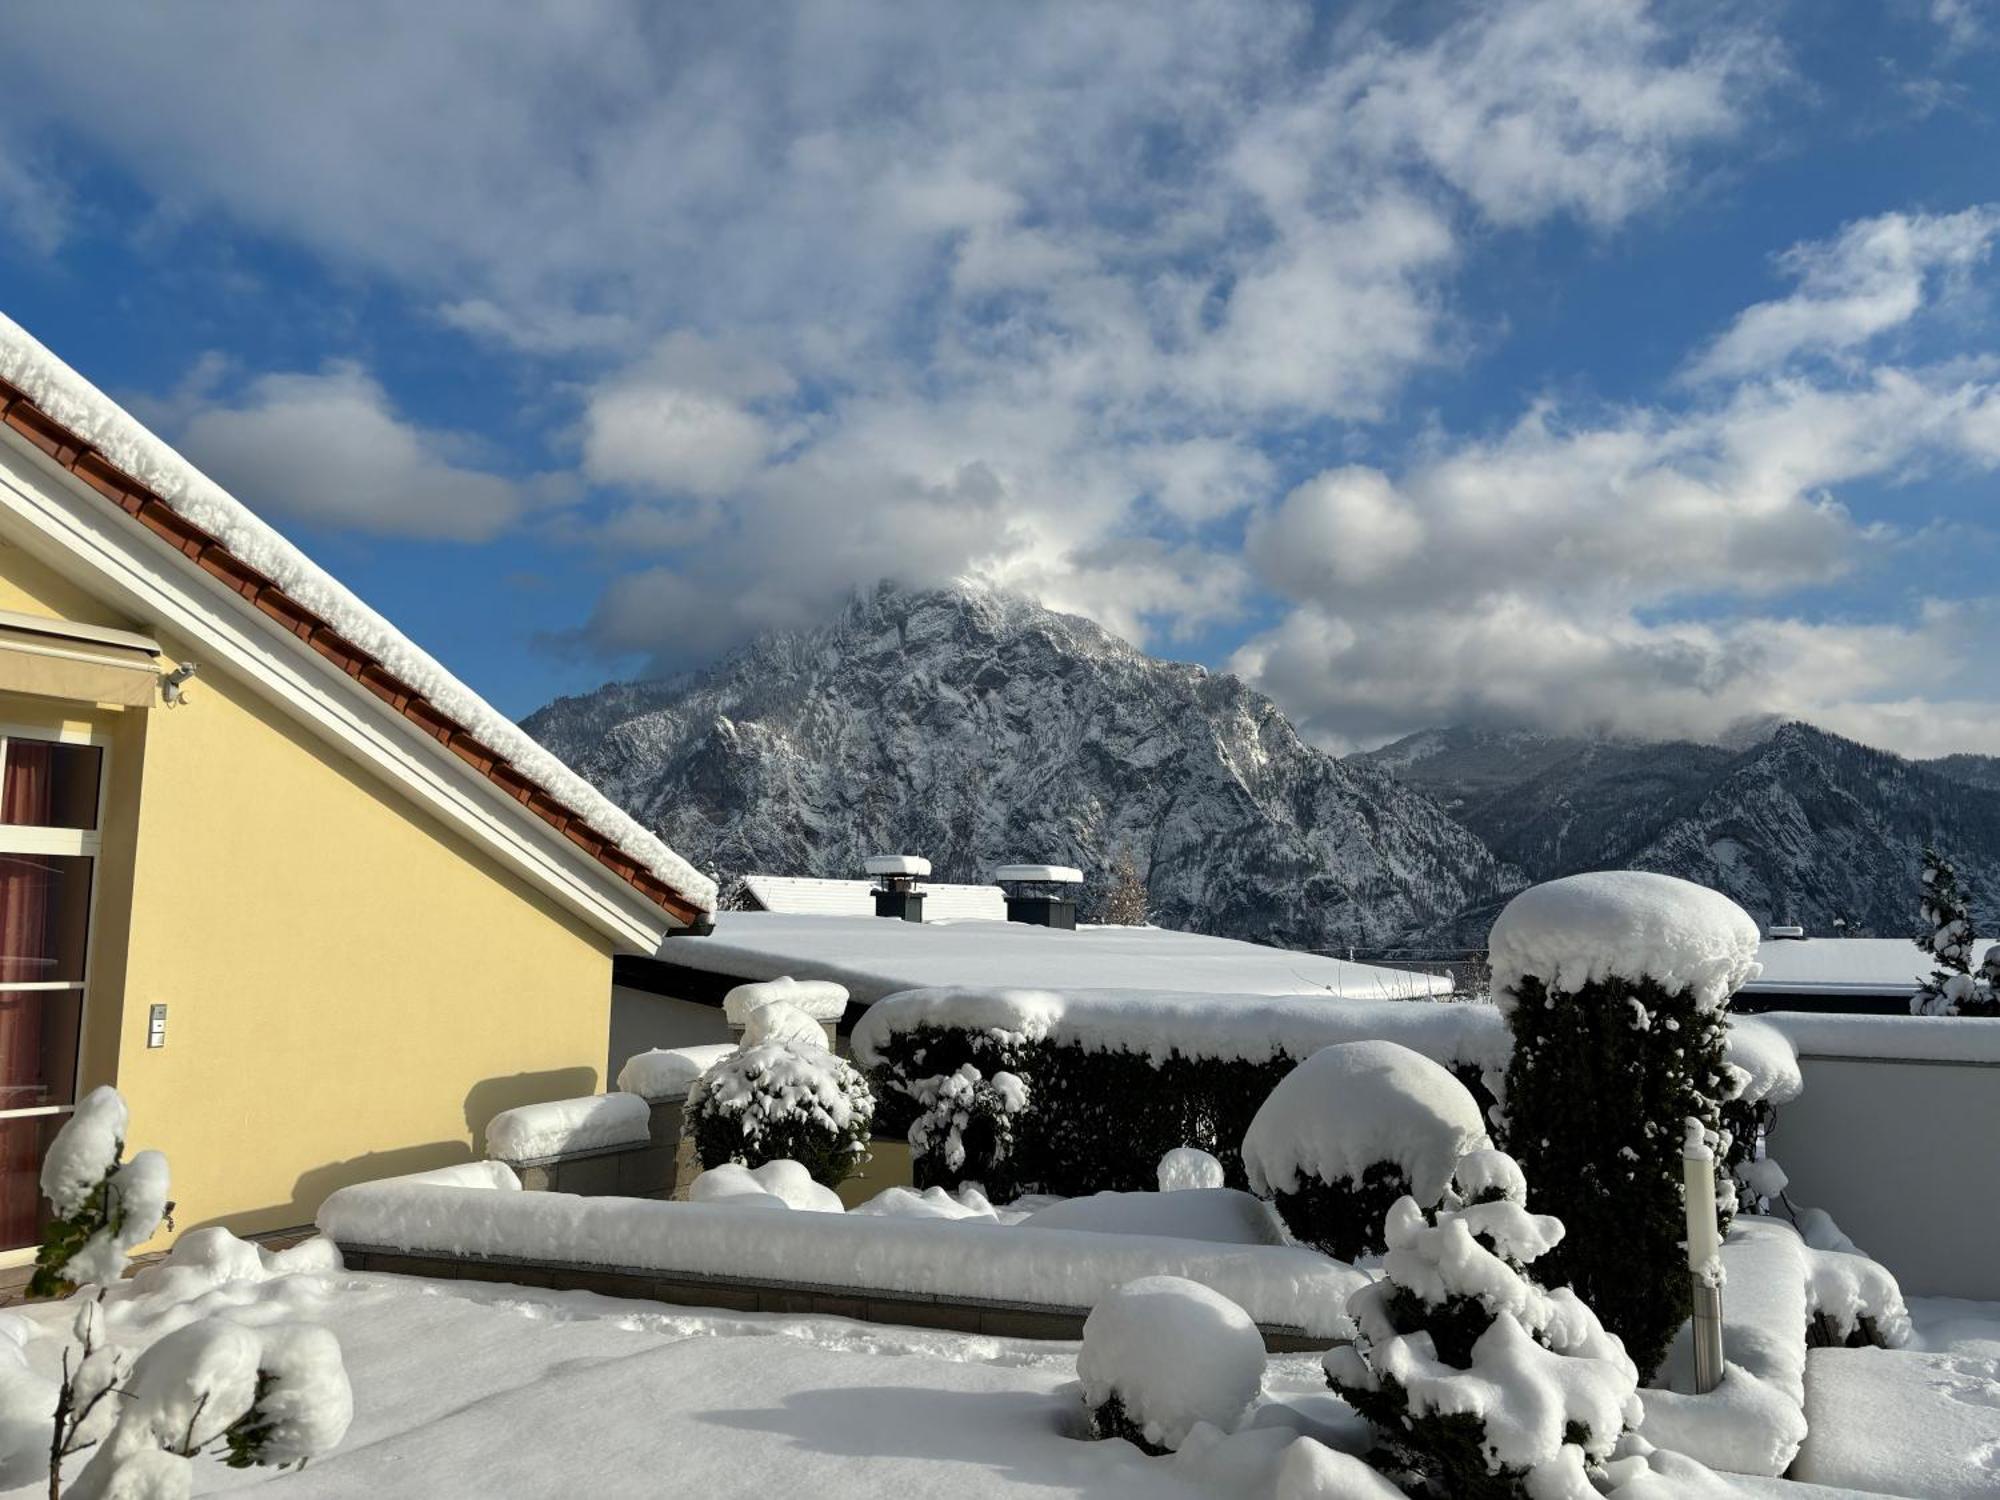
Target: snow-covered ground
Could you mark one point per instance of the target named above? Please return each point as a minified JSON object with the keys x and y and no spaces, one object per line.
{"x":471,"y":1390}
{"x":1922,"y":1420}
{"x":466,"y":1390}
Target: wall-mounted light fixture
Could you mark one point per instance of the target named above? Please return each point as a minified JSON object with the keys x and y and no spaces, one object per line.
{"x":173,"y":684}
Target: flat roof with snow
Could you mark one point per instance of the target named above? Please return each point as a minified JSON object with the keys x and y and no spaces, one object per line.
{"x":1844,"y":966}
{"x":803,"y":895}
{"x":874,"y":956}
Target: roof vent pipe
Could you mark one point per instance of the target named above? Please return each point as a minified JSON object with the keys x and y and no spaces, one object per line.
{"x":896,"y":877}
{"x":1041,"y":895}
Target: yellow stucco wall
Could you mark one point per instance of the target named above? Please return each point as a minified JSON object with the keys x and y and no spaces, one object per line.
{"x":352,"y":990}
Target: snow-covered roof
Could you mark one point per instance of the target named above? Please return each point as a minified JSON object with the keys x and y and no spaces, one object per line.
{"x":802,"y":895}
{"x":1844,"y":966}
{"x":69,"y":419}
{"x":874,"y":956}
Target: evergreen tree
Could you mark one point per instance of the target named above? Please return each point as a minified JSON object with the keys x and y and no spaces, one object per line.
{"x":1126,"y":903}
{"x":1953,"y":989}
{"x":1481,"y":1383}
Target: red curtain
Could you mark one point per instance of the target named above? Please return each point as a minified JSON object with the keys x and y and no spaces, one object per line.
{"x":26,"y":794}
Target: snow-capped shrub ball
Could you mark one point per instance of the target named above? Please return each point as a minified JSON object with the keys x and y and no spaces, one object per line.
{"x":1479,"y":1381}
{"x":1189,"y":1169}
{"x":778,"y":1100}
{"x":1161,"y":1354}
{"x":964,"y":1131}
{"x":1352,"y":1129}
{"x":1616,"y":986}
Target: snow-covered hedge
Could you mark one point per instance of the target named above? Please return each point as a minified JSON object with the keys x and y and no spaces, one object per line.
{"x":1616,"y":985}
{"x":1278,"y":1286}
{"x":782,"y":1099}
{"x":1117,"y":1078}
{"x":1349,"y":1131}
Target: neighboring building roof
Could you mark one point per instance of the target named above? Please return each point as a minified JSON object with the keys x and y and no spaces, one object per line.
{"x":1843,"y":966}
{"x":875,"y":956}
{"x":802,"y":895}
{"x":90,"y":436}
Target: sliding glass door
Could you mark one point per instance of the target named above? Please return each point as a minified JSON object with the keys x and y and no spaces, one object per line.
{"x":51,"y":790}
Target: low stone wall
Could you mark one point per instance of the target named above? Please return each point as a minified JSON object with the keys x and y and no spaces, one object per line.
{"x":745,"y":1294}
{"x":641,"y":1171}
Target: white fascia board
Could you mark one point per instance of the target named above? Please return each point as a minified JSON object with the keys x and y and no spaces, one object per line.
{"x":56,"y":518}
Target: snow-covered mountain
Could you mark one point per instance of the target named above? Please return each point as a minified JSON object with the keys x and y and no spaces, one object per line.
{"x":976,"y":728}
{"x":1800,"y":826}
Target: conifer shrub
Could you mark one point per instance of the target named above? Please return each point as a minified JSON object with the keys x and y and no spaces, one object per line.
{"x":966,"y":1132}
{"x":1349,"y":1131}
{"x":782,"y":1099}
{"x":1616,"y":987}
{"x":1480,"y":1382}
{"x":1954,"y":987}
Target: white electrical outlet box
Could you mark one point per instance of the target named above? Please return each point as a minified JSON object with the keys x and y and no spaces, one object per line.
{"x":156,"y":1027}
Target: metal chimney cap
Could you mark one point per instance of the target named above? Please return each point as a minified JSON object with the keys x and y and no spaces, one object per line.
{"x":1048,"y":874}
{"x":896,"y":864}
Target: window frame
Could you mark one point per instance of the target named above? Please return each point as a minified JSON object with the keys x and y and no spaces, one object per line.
{"x":87,"y":843}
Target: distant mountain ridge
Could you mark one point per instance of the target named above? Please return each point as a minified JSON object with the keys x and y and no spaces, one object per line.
{"x":976,"y":728}
{"x":1800,"y":827}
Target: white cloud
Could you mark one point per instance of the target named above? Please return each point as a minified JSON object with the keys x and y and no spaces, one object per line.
{"x":330,"y":449}
{"x":1869,"y":279}
{"x":1579,"y":106}
{"x":34,"y":204}
{"x":1540,"y":577}
{"x":1057,"y":296}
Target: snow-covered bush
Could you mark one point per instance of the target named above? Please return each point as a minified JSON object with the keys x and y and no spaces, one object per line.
{"x":1954,"y":988}
{"x":270,"y":1397}
{"x":782,"y":1100}
{"x":1481,"y":1383}
{"x":1161,"y":1354}
{"x":966,"y":1131}
{"x":1189,"y":1169}
{"x":104,"y":1207}
{"x":1616,"y":986}
{"x":1349,"y":1131}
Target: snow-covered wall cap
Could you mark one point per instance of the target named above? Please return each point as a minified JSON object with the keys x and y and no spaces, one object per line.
{"x":896,"y":864}
{"x":1626,"y":924}
{"x":125,"y":443}
{"x":1052,"y":874}
{"x":564,"y":1127}
{"x":669,"y":1072}
{"x":821,"y":999}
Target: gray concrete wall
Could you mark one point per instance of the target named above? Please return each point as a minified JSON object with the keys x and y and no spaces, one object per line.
{"x":1903,"y":1150}
{"x":641,"y":1022}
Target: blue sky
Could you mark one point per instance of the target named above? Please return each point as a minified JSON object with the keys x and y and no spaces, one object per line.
{"x":1600,"y":366}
